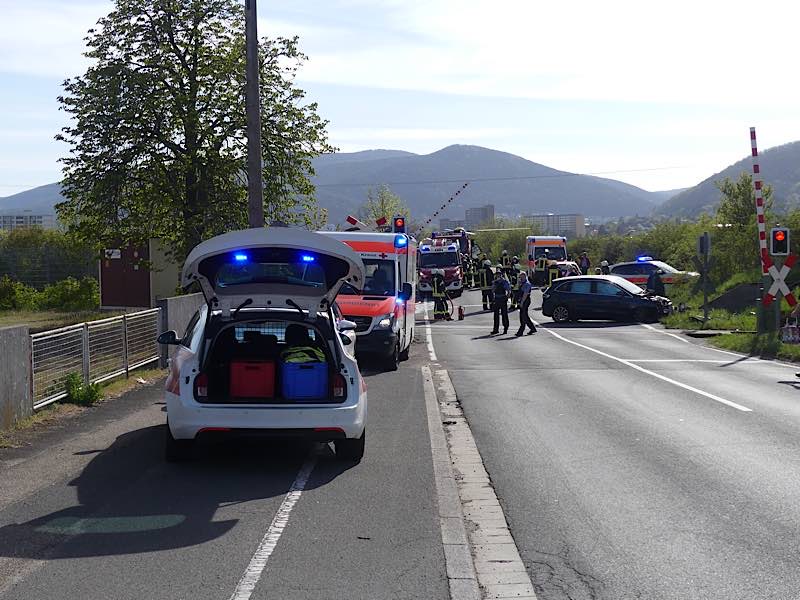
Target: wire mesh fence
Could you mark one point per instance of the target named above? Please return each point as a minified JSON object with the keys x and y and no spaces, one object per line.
{"x":97,"y":350}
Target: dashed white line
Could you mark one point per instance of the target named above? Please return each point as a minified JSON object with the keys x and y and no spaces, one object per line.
{"x":651,"y":373}
{"x":265,"y":549}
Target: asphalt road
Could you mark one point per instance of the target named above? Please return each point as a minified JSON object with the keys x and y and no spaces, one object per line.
{"x":631,"y":463}
{"x":91,"y":510}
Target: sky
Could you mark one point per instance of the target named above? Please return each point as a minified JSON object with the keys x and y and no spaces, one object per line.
{"x":659,"y":95}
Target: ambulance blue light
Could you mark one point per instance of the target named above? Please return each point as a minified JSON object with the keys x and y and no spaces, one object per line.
{"x":425,"y":249}
{"x":400,"y":241}
{"x":643,"y":258}
{"x":240,"y":257}
{"x":307,"y":258}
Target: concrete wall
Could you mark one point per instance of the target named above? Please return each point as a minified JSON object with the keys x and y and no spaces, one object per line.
{"x":176,"y":312}
{"x":16,"y":401}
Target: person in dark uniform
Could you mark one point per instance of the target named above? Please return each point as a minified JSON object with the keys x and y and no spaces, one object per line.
{"x":655,"y":284}
{"x":485,"y":277}
{"x":500,"y":290}
{"x":524,"y":304}
{"x":439,"y":296}
{"x":604,"y":268}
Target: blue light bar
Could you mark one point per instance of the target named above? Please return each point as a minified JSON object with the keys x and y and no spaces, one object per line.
{"x":400,"y":241}
{"x":307,"y":258}
{"x":643,"y":258}
{"x":425,"y":249}
{"x":240,"y":257}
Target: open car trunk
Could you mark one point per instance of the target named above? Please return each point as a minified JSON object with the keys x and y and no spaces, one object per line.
{"x":269,"y":359}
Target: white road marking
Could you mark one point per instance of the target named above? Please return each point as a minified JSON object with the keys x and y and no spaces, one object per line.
{"x":265,"y":549}
{"x":677,"y":337}
{"x":651,"y":373}
{"x":686,"y":360}
{"x":429,"y":334}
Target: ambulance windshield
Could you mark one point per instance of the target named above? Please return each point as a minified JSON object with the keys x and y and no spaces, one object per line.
{"x":553,"y":252}
{"x":379,"y":279}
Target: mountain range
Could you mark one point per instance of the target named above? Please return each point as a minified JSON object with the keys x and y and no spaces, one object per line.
{"x":780,"y":168}
{"x":514,"y":185}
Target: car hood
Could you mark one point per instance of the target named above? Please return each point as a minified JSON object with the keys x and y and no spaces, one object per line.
{"x":272,"y":267}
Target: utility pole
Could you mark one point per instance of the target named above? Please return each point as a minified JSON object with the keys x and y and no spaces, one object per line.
{"x":255,"y":187}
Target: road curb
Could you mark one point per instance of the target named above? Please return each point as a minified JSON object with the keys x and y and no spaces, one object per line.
{"x":497,"y":569}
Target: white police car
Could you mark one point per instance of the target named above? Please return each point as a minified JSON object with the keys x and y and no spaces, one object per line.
{"x":266,"y":354}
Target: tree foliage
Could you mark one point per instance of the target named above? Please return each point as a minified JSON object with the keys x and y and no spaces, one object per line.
{"x":505,"y":234}
{"x":158,"y":136}
{"x":382,"y":202}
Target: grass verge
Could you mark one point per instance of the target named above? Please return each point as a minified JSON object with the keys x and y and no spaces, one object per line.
{"x":47,"y":319}
{"x":765,"y":345}
{"x":20,"y":431}
{"x":718,"y":319}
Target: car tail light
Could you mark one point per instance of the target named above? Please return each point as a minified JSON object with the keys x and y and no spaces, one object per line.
{"x":201,"y":386}
{"x":339,"y":386}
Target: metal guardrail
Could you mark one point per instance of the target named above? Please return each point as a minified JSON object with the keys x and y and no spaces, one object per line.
{"x":98,"y":350}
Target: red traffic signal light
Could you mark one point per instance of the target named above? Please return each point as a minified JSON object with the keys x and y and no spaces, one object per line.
{"x":779,"y":241}
{"x":399,"y":225}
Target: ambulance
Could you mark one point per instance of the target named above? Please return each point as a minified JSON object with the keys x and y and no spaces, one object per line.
{"x":383,"y":310}
{"x":535,"y":246}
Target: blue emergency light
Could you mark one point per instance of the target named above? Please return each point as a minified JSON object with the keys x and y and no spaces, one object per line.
{"x":643,"y":258}
{"x":400,"y":241}
{"x":240,"y":257}
{"x":307,"y":258}
{"x":425,"y":249}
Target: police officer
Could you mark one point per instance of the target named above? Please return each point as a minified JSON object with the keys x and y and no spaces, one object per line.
{"x":439,"y":295}
{"x":485,"y":277}
{"x":604,"y":268}
{"x":655,"y":284}
{"x":524,"y":304}
{"x":500,"y":291}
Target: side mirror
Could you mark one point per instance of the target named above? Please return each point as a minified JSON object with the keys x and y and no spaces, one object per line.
{"x":345,"y":325}
{"x":168,"y":338}
{"x":406,"y":292}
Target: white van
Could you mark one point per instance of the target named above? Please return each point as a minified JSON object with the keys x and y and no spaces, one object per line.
{"x":266,"y":354}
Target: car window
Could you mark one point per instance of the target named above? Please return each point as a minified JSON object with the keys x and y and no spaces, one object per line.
{"x":648,"y":268}
{"x":624,"y":269}
{"x":582,"y":286}
{"x":564,"y":287}
{"x":606,"y":288}
{"x":186,"y":341}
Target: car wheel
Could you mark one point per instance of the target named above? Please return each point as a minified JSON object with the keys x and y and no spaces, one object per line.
{"x":561,"y":314}
{"x":177,"y":450}
{"x":391,"y":361}
{"x":351,"y":450}
{"x":404,"y":354}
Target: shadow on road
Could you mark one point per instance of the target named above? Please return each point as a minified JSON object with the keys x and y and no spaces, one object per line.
{"x":130,"y":501}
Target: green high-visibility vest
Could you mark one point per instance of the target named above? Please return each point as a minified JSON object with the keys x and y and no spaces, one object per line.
{"x":302,"y":354}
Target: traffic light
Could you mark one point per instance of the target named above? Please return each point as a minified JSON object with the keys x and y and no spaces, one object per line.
{"x":779,"y":241}
{"x":399,"y":224}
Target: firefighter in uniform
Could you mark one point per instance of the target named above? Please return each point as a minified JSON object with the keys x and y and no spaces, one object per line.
{"x":515,"y":286}
{"x":505,"y":260}
{"x":541,"y":268}
{"x":470,"y":272}
{"x":439,"y":296}
{"x":485,"y":278}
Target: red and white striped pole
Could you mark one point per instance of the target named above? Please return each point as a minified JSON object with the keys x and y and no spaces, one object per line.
{"x":757,"y":184}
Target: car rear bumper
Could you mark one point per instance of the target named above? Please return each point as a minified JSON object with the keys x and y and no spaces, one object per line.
{"x":188,"y":418}
{"x":377,"y":342}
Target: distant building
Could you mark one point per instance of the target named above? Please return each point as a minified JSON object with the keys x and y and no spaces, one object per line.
{"x":480,"y":215}
{"x":451,"y":223}
{"x":570,"y":226}
{"x":21,"y":220}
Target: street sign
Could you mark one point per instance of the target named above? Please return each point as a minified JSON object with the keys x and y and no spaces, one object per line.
{"x":704,"y":244}
{"x":779,"y":282}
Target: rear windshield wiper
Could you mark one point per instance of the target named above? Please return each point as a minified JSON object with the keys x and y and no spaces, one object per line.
{"x":294,"y":304}
{"x":247,"y":302}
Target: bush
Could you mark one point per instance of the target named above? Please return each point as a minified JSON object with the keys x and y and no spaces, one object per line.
{"x":17,"y":296}
{"x":79,"y":392}
{"x":71,"y":295}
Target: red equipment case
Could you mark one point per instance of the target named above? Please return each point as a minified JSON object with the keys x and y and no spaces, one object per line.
{"x":253,"y":379}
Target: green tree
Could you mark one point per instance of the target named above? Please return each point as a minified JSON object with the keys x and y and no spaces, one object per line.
{"x":158,"y":137}
{"x":382,"y":202}
{"x":505,"y":234}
